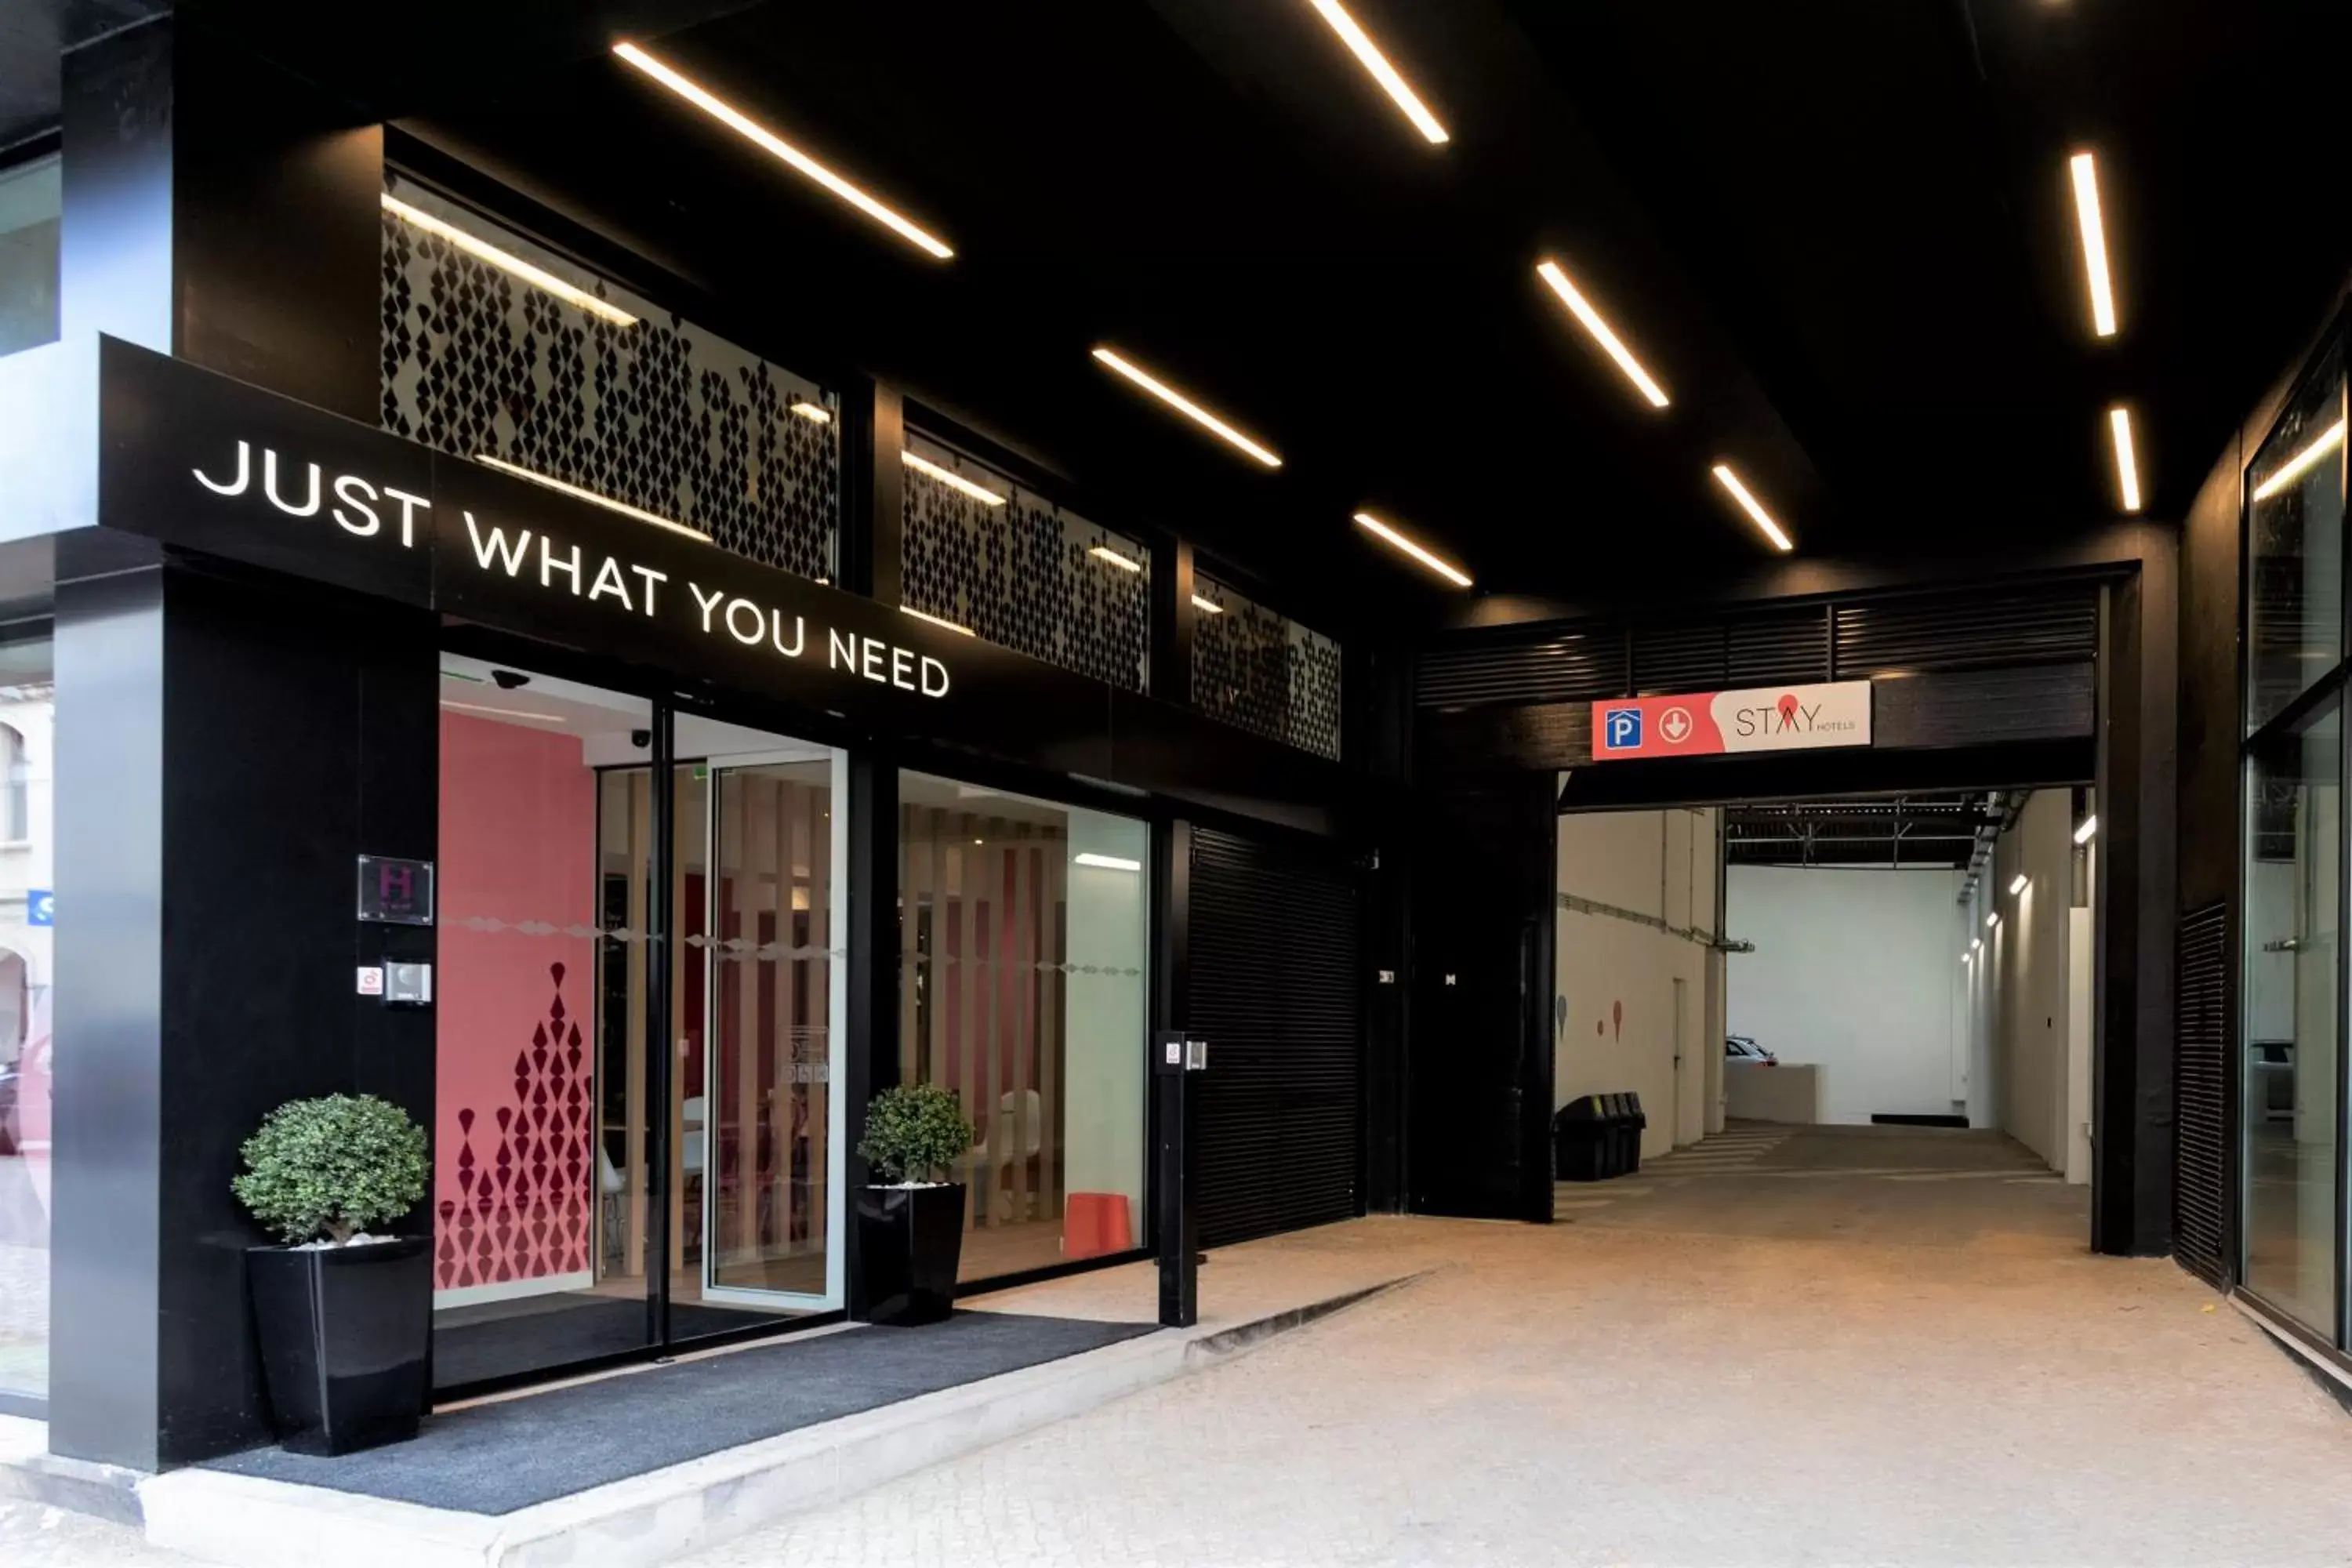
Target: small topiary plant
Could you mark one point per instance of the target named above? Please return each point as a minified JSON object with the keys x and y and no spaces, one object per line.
{"x":331,"y":1167}
{"x":913,"y":1131}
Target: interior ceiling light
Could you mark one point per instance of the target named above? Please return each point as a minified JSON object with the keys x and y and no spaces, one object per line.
{"x":1392,"y":81}
{"x":2119,"y":426}
{"x":767,"y":141}
{"x":506,"y":261}
{"x":2085,"y":173}
{"x":576,"y":493}
{"x":1992,"y":920}
{"x":1107,"y":862}
{"x":1207,"y":606}
{"x":939,"y":621}
{"x":1186,"y":406}
{"x":1751,"y":506}
{"x":1589,"y":319}
{"x":2295,"y":467}
{"x":1124,"y":563}
{"x":815,"y":413}
{"x":950,"y":479}
{"x":1382,"y":531}
{"x":2088,"y":831}
{"x":2019,"y":883}
{"x":522,"y":713}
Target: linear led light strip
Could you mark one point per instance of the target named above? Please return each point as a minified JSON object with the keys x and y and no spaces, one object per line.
{"x":2085,"y":173}
{"x":1388,"y":535}
{"x":2088,"y":831}
{"x":502,"y":712}
{"x":937,"y":621}
{"x":1186,"y":406}
{"x":506,"y":261}
{"x":1207,"y":606}
{"x":815,"y":413}
{"x":1391,"y":81}
{"x":1107,"y":862}
{"x":1751,"y":506}
{"x":2119,"y":429}
{"x":950,"y":478}
{"x":1124,"y":563}
{"x":576,"y":493}
{"x":2295,"y":467}
{"x":1589,"y":319}
{"x":768,"y":142}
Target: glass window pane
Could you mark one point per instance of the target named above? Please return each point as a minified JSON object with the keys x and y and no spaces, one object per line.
{"x":2293,"y":983}
{"x":28,"y":891}
{"x":538,"y":1180}
{"x":2295,"y":549}
{"x":1024,"y":933}
{"x":30,"y":202}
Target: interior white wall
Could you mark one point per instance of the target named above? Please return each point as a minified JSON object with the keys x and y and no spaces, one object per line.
{"x":2032,"y":974}
{"x":1108,"y":1016}
{"x":1615,"y":1014}
{"x":1856,"y":971}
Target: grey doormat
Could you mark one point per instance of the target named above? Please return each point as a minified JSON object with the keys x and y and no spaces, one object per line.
{"x":495,"y":1458}
{"x":580,"y":1328}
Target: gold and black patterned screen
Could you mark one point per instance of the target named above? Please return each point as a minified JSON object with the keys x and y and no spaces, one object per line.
{"x":1006,"y":565}
{"x":1263,"y":671}
{"x":661,"y":415}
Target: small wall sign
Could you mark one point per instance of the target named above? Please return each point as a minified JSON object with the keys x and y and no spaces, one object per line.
{"x":396,"y":891}
{"x":40,"y":907}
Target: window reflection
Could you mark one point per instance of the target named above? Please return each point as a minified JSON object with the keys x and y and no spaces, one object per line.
{"x":2296,"y":550}
{"x":27,"y":907}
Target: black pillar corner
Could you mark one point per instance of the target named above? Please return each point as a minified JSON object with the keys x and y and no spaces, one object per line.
{"x":1172,"y":617}
{"x":871,"y":1060}
{"x":873,"y":490}
{"x":207,"y":974}
{"x":223,"y":210}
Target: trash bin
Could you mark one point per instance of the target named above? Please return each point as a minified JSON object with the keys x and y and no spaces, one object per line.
{"x":1583,"y":1142}
{"x":1629,"y":1125}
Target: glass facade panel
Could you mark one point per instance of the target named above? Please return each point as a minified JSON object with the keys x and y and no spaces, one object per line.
{"x":2295,"y":547}
{"x":31,"y":198}
{"x":1023,"y":930}
{"x":28,"y":904}
{"x":2294,"y":997}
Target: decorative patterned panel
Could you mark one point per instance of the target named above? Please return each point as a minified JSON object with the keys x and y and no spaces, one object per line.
{"x":1006,"y":564}
{"x":662,"y":416}
{"x":1263,"y":671}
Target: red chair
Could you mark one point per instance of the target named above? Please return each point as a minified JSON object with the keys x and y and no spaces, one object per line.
{"x":1094,"y":1224}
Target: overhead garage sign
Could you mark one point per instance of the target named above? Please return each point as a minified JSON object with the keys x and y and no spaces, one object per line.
{"x":1706,"y":723}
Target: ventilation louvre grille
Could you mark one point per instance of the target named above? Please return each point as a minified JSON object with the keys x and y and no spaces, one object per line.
{"x":1274,"y":991}
{"x":1557,"y":667}
{"x":2200,"y":1096}
{"x":1967,"y":631}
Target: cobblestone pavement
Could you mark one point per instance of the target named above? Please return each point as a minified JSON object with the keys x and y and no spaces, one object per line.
{"x":1840,"y":1350}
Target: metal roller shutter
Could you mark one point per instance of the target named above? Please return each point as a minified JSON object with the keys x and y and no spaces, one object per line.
{"x":1278,"y":1142}
{"x":2200,"y":1176}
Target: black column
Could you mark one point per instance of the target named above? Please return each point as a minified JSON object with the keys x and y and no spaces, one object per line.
{"x":224,"y":753}
{"x":872,"y":1057}
{"x":1173,"y":615}
{"x":873,"y":490}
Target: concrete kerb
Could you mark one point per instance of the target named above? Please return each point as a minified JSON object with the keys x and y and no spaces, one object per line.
{"x":653,"y":1517}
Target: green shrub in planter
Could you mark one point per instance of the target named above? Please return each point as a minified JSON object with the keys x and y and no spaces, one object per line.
{"x":914,"y":1131}
{"x":329,"y":1168}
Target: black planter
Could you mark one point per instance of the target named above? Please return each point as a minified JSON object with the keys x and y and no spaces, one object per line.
{"x":344,"y":1335}
{"x":908,"y":1240}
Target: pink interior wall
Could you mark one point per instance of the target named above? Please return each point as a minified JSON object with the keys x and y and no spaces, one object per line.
{"x":514,"y":1160}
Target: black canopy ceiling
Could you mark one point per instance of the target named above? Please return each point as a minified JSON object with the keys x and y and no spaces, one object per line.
{"x":1838,"y":231}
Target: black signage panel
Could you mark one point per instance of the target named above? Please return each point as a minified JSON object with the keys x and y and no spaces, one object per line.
{"x":196,"y":459}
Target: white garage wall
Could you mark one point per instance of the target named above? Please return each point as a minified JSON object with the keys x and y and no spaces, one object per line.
{"x":1648,"y":877}
{"x":1857,"y":970}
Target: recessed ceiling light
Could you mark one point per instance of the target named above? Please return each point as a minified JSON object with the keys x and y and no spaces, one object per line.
{"x":1589,"y":319}
{"x":2295,"y":467}
{"x":2119,"y":428}
{"x":576,"y":493}
{"x":1382,"y":531}
{"x":937,"y":621}
{"x":767,"y":141}
{"x":1186,"y":406}
{"x":815,"y":413}
{"x":1124,"y":563}
{"x":524,"y":714}
{"x":1751,"y":506}
{"x":2088,"y":831}
{"x":506,"y":260}
{"x":1992,"y":920}
{"x":1107,"y":862}
{"x":2019,"y":883}
{"x":2085,"y":173}
{"x":1392,"y":81}
{"x":1207,"y":606}
{"x":950,"y":478}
